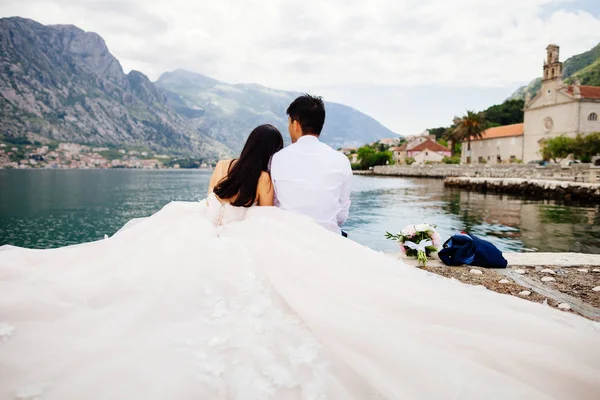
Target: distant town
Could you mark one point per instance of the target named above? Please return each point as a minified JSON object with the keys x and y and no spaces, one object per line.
{"x":27,"y":155}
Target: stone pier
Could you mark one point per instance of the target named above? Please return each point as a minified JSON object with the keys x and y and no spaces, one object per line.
{"x":576,"y":173}
{"x":532,"y":188}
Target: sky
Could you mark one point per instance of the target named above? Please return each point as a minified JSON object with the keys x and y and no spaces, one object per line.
{"x":410,"y":64}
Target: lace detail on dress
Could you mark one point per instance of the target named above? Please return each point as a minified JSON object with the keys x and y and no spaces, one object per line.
{"x":6,"y":331}
{"x":221,"y":213}
{"x":30,"y":393}
{"x":256,"y":348}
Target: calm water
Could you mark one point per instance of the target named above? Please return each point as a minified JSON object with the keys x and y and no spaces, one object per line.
{"x":49,"y":208}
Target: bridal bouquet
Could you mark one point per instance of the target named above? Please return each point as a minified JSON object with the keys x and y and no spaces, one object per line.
{"x":418,"y":241}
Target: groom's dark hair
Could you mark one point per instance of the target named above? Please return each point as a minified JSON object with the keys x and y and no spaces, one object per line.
{"x":309,"y":111}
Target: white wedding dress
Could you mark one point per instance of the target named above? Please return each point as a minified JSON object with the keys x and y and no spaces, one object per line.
{"x":208,"y":301}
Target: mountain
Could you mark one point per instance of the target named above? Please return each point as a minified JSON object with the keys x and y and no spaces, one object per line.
{"x":589,"y":75}
{"x":62,"y":83}
{"x":584,"y":66}
{"x":581,"y":61}
{"x":532,"y":88}
{"x":229,"y":112}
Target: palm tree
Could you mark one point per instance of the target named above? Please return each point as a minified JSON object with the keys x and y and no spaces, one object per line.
{"x":468,"y":127}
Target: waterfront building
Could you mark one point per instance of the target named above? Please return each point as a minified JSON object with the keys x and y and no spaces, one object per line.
{"x":399,"y":154}
{"x":499,"y":145}
{"x":150,"y":164}
{"x":558,"y":109}
{"x":428,"y":151}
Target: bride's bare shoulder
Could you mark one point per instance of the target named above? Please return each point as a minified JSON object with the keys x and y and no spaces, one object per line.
{"x":224,"y":163}
{"x":265,"y":177}
{"x":220,"y":172}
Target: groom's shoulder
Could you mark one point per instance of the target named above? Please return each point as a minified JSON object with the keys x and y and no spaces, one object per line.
{"x":287,"y":149}
{"x":338,"y":155}
{"x":281,"y":153}
{"x":326,"y":151}
{"x":329,"y":153}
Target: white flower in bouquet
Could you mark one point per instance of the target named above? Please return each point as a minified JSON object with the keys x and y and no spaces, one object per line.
{"x":423,"y":228}
{"x":418,"y":241}
{"x":409,"y":231}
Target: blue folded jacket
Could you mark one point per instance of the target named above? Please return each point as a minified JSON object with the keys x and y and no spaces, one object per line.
{"x":464,"y":248}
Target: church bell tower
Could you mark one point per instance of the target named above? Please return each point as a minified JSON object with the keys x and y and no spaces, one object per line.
{"x":553,"y":68}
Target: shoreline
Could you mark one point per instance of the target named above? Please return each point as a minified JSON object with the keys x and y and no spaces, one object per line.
{"x":575,"y":279}
{"x":584,"y":173}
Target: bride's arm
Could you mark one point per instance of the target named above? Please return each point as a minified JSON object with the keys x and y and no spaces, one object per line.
{"x":265,"y":190}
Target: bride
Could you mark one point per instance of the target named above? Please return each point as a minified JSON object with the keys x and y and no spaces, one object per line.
{"x":224,"y":300}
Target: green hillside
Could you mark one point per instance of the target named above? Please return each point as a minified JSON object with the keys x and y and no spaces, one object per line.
{"x":590,"y":75}
{"x":577,"y":63}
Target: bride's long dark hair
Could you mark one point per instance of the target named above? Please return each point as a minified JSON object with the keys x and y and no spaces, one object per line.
{"x":242,"y":177}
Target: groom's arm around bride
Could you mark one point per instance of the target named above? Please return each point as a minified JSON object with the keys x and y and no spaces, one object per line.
{"x":309,"y":176}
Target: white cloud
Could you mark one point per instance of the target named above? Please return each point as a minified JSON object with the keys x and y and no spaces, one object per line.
{"x":315,"y":44}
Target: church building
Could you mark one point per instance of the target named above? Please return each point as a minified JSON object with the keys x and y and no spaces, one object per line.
{"x":557,"y":109}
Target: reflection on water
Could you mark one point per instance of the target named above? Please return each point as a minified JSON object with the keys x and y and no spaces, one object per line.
{"x":47,"y":208}
{"x":512,"y":224}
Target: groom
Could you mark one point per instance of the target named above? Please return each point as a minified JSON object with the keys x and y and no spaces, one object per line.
{"x":310,"y":177}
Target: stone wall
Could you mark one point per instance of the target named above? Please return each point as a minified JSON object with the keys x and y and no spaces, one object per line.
{"x":577,"y":173}
{"x":533,"y":188}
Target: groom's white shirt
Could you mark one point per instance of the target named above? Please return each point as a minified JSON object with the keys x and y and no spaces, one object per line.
{"x":313,"y":179}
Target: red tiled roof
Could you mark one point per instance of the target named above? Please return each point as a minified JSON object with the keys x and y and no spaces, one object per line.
{"x":502,"y":131}
{"x":587,"y":92}
{"x":430,"y":145}
{"x":401,"y":148}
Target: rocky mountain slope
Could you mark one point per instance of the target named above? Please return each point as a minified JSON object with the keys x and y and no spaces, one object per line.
{"x":229,"y":112}
{"x":62,"y":83}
